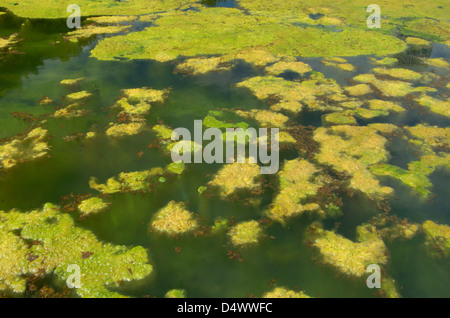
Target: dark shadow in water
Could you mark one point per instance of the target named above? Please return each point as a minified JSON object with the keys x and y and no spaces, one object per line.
{"x":220,"y":3}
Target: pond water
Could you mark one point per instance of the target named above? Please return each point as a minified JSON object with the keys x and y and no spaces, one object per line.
{"x":199,"y":265}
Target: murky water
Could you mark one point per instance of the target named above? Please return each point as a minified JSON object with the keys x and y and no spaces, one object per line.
{"x":202,"y":267}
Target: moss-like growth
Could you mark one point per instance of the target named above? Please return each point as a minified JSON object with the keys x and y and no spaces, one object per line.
{"x":92,"y":206}
{"x":265,"y":118}
{"x":129,"y":181}
{"x":437,"y":62}
{"x":358,"y":90}
{"x":417,"y":41}
{"x":435,"y":105}
{"x":111,"y":19}
{"x":236,"y":176}
{"x":281,"y":67}
{"x":400,"y":73}
{"x":198,"y":66}
{"x":174,"y":219}
{"x":298,"y":183}
{"x":282,"y":292}
{"x":176,"y":293}
{"x":145,"y":94}
{"x":387,"y":87}
{"x":339,"y":118}
{"x":437,"y":238}
{"x":388,"y":61}
{"x":71,"y":82}
{"x":245,"y":233}
{"x":389,"y":228}
{"x":129,"y":129}
{"x":91,"y":30}
{"x":70,"y":111}
{"x":60,"y":244}
{"x":340,"y":63}
{"x":54,"y":9}
{"x":348,"y":257}
{"x":78,"y":96}
{"x":353,"y":150}
{"x":26,"y":148}
{"x":384,"y":105}
{"x":6,"y":42}
{"x":222,"y":31}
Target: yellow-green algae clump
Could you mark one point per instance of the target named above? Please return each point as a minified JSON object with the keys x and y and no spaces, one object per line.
{"x":26,"y":148}
{"x":245,"y":233}
{"x":282,"y":292}
{"x":353,"y":149}
{"x":59,"y":243}
{"x":431,"y":142}
{"x":348,"y":257}
{"x":174,"y":219}
{"x":236,"y":176}
{"x":299,"y":181}
{"x":221,"y":31}
{"x":92,"y":206}
{"x":437,"y":239}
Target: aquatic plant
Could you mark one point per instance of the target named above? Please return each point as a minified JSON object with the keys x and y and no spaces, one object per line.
{"x":417,"y":41}
{"x":91,"y":30}
{"x":389,"y":228}
{"x":282,"y":292}
{"x":25,"y":148}
{"x":339,"y":63}
{"x":437,"y":239}
{"x":70,"y":111}
{"x":265,"y":118}
{"x":92,"y":205}
{"x":73,"y":97}
{"x":234,"y":177}
{"x":400,"y":73}
{"x":299,"y":181}
{"x":128,"y":129}
{"x":174,"y":219}
{"x":282,"y":66}
{"x":245,"y":233}
{"x":58,"y":243}
{"x":353,"y":150}
{"x":358,"y":90}
{"x":176,"y":293}
{"x":71,"y":81}
{"x":435,"y":105}
{"x":197,"y":66}
{"x":348,"y":257}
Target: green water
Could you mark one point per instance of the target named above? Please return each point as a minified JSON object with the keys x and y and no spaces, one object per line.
{"x":202,"y":267}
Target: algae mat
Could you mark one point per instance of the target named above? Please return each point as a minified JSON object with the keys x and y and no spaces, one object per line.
{"x":88,"y":186}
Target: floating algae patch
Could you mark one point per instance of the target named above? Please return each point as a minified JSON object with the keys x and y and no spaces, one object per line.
{"x":128,"y":129}
{"x":339,"y":63}
{"x":348,"y":257}
{"x":265,"y":118}
{"x":339,"y":118}
{"x":299,"y":181}
{"x":221,"y":31}
{"x":176,"y":293}
{"x":71,"y":81}
{"x":234,"y":177}
{"x":26,"y":148}
{"x":59,"y":243}
{"x":441,"y":107}
{"x":353,"y":150}
{"x":417,"y":41}
{"x":400,"y":73}
{"x":78,"y":96}
{"x":282,"y":67}
{"x":389,"y":228}
{"x":437,"y":239}
{"x":70,"y":111}
{"x":58,"y":9}
{"x":174,"y":219}
{"x":437,"y":62}
{"x":432,"y":143}
{"x":7,"y":42}
{"x":91,"y":30}
{"x":358,"y":90}
{"x":197,"y":66}
{"x":111,"y":19}
{"x":245,"y":233}
{"x":282,"y":292}
{"x":92,"y":206}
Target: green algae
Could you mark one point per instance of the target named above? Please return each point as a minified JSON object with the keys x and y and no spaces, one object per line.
{"x":52,"y":9}
{"x":437,"y":62}
{"x":435,"y":105}
{"x":339,"y":63}
{"x":71,"y":81}
{"x":7,"y":42}
{"x":400,"y":73}
{"x":245,"y":233}
{"x":348,"y":257}
{"x":282,"y":67}
{"x":229,"y":31}
{"x":174,"y":219}
{"x":339,"y":118}
{"x":26,"y":148}
{"x":92,"y":206}
{"x":128,"y":181}
{"x":388,"y":88}
{"x":353,"y":150}
{"x":91,"y":30}
{"x":265,"y":118}
{"x":282,"y":292}
{"x":389,"y":228}
{"x":70,"y":111}
{"x":197,"y":66}
{"x":235,"y":177}
{"x":78,"y":96}
{"x":176,"y":293}
{"x":437,"y":239}
{"x":111,"y":19}
{"x":358,"y":90}
{"x":60,"y":244}
{"x":387,"y":61}
{"x":417,"y":41}
{"x":299,"y":181}
{"x":128,"y":129}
